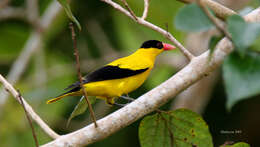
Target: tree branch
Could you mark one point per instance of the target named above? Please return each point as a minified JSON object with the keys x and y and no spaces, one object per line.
{"x":153,"y":27}
{"x":221,"y":11}
{"x":29,"y":119}
{"x":146,"y":7}
{"x":197,"y":96}
{"x":130,"y":10}
{"x":76,"y":53}
{"x":32,"y":13}
{"x":148,"y":102}
{"x":12,"y":13}
{"x":9,"y":88}
{"x":213,"y":19}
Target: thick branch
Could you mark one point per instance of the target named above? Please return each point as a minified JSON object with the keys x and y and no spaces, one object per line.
{"x":147,"y":103}
{"x":151,"y":26}
{"x":9,"y":88}
{"x":198,"y":68}
{"x":197,"y":96}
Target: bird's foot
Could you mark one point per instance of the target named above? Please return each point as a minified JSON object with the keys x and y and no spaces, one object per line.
{"x":127,"y":98}
{"x":120,"y":105}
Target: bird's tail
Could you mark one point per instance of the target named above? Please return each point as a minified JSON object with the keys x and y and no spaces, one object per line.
{"x":73,"y":92}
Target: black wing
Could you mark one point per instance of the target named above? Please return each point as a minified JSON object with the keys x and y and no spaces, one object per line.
{"x":107,"y":73}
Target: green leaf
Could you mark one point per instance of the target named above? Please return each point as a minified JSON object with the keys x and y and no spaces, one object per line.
{"x":67,"y":9}
{"x":243,"y":34}
{"x":192,"y":19}
{"x":181,"y":127}
{"x":239,"y":144}
{"x":80,"y":108}
{"x":241,"y":76}
{"x":213,"y":42}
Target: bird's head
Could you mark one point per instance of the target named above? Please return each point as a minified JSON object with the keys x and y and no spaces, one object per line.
{"x":156,"y":47}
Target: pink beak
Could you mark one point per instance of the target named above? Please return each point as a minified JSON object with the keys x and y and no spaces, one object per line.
{"x":167,"y":46}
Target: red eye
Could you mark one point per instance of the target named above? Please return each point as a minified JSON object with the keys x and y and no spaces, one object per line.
{"x":159,"y":45}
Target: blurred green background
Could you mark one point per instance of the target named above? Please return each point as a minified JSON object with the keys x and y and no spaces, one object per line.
{"x":106,"y":34}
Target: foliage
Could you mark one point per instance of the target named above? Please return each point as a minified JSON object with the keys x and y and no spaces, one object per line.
{"x":181,"y":127}
{"x":80,"y":108}
{"x":213,"y":42}
{"x":191,"y":18}
{"x":243,"y":34}
{"x":239,"y":144}
{"x":67,"y":9}
{"x":241,"y":76}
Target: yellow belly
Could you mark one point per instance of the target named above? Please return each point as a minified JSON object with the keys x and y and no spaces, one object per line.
{"x":117,"y":87}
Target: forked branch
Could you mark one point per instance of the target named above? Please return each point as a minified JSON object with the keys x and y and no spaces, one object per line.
{"x":214,"y":20}
{"x":146,"y":7}
{"x":151,"y":26}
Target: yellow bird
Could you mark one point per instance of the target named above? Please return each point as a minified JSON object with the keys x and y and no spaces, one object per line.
{"x":121,"y":76}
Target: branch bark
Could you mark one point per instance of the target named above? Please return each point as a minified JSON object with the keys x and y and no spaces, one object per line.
{"x":29,"y":119}
{"x":198,"y":68}
{"x":146,"y":7}
{"x":214,"y":20}
{"x":197,"y":96}
{"x":76,"y":53}
{"x":221,"y":11}
{"x":10,"y":12}
{"x":9,"y":88}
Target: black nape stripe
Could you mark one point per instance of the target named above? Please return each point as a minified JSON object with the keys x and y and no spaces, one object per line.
{"x":107,"y":73}
{"x":152,"y":44}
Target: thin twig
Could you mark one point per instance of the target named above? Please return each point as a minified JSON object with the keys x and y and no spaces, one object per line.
{"x":213,"y":19}
{"x":153,"y":27}
{"x":32,"y":9}
{"x":130,"y":10}
{"x":76,"y":53}
{"x":9,"y":88}
{"x":29,"y":119}
{"x":32,"y":13}
{"x":146,"y":8}
{"x":12,"y":13}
